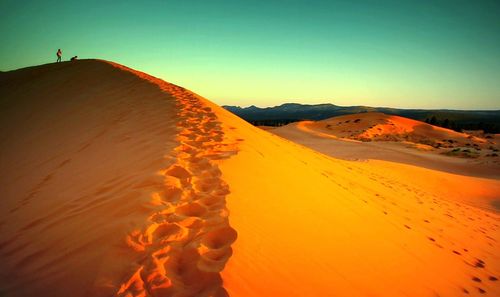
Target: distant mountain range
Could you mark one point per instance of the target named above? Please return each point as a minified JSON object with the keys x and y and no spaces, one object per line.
{"x":487,"y":120}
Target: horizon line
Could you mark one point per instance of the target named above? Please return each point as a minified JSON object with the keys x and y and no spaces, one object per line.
{"x":329,"y":103}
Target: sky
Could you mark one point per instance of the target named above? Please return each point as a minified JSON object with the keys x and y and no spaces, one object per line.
{"x":406,"y":54}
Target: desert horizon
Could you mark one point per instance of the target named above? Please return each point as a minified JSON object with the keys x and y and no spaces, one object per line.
{"x":332,"y":102}
{"x":249,"y":149}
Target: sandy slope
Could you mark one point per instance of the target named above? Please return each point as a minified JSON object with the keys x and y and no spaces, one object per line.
{"x":80,"y":147}
{"x":338,"y":228}
{"x":98,"y":193}
{"x":120,"y":184}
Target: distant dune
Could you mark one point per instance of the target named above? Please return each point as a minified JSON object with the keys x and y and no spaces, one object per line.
{"x":398,"y":139}
{"x":374,"y":126}
{"x":487,"y":120}
{"x":116,"y":183}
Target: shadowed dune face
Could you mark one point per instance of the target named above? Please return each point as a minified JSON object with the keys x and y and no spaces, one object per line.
{"x":81,"y":147}
{"x":108,"y":185}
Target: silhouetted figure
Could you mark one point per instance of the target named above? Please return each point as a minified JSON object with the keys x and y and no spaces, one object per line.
{"x":74,"y":58}
{"x":59,"y":55}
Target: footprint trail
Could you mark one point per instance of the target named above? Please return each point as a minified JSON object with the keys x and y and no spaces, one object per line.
{"x":187,"y":240}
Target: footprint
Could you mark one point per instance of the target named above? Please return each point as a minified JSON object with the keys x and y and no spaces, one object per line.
{"x":193,"y":209}
{"x":219,"y":238}
{"x":214,"y":260}
{"x":178,"y":171}
{"x":134,"y":286}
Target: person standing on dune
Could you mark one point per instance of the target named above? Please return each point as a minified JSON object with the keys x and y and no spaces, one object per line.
{"x":59,"y":55}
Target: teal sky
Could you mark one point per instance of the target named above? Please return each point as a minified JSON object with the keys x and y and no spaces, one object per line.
{"x":414,"y":54}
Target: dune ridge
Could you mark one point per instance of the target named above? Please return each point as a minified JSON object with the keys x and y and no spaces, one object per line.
{"x":187,"y":243}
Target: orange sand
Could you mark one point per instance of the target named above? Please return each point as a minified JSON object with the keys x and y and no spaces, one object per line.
{"x":310,"y":225}
{"x":121,"y":184}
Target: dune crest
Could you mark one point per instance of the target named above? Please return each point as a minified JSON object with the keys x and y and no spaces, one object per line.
{"x":186,"y":244}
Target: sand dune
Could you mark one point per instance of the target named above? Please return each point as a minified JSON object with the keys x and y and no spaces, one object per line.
{"x":119,"y":184}
{"x":379,"y":127}
{"x":382,"y":137}
{"x":372,"y":126}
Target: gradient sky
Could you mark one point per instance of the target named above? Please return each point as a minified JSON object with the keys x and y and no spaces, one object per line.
{"x":414,"y":54}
